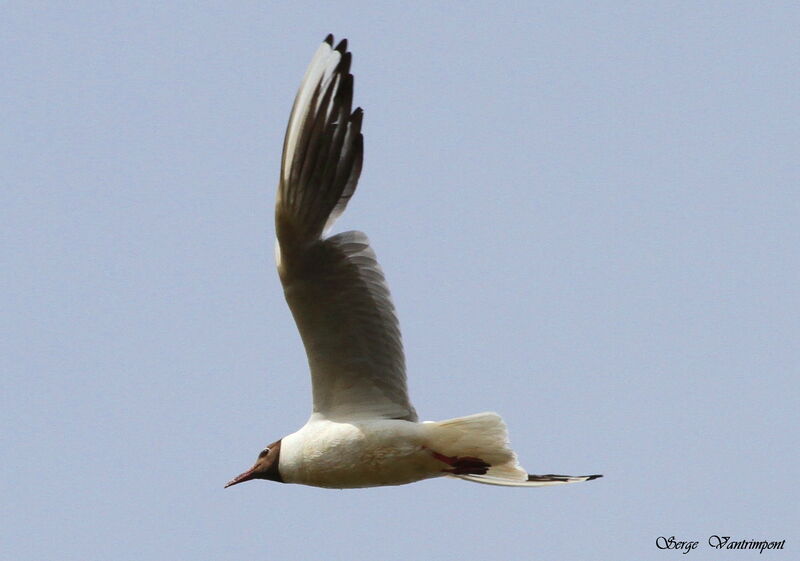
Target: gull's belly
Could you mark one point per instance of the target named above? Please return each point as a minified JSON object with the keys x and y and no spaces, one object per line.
{"x":347,"y":455}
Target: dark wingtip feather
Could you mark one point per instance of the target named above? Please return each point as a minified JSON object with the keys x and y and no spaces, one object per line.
{"x":344,"y":63}
{"x":329,"y":39}
{"x":342,"y":46}
{"x":556,"y":477}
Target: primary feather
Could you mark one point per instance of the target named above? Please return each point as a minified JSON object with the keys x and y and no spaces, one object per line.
{"x":334,"y":286}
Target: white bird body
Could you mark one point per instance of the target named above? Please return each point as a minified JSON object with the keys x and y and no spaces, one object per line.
{"x":363,"y":431}
{"x":364,"y":453}
{"x":377,"y":452}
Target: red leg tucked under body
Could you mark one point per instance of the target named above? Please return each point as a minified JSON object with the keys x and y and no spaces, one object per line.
{"x":462,"y":465}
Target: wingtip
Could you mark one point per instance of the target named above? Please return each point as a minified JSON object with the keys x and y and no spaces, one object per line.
{"x":552,"y":477}
{"x":329,"y":39}
{"x":344,"y":64}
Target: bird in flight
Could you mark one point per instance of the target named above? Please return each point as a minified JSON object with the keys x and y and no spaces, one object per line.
{"x":363,"y":430}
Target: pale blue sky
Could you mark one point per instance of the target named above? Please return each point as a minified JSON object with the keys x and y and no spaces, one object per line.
{"x":588,"y":216}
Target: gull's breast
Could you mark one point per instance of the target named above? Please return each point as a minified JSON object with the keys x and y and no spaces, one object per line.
{"x":356,"y":454}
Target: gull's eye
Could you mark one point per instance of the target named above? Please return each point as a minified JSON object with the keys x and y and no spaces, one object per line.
{"x":263,"y":453}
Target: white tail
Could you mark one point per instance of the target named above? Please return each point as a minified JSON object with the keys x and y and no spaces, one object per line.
{"x":484,"y":437}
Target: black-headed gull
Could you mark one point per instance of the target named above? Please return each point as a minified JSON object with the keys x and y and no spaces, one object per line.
{"x":363,"y":431}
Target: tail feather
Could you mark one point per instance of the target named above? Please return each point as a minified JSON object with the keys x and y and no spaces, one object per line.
{"x":481,"y":436}
{"x":484,"y":437}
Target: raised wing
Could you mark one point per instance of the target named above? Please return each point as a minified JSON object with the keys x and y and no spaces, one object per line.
{"x":335,"y":287}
